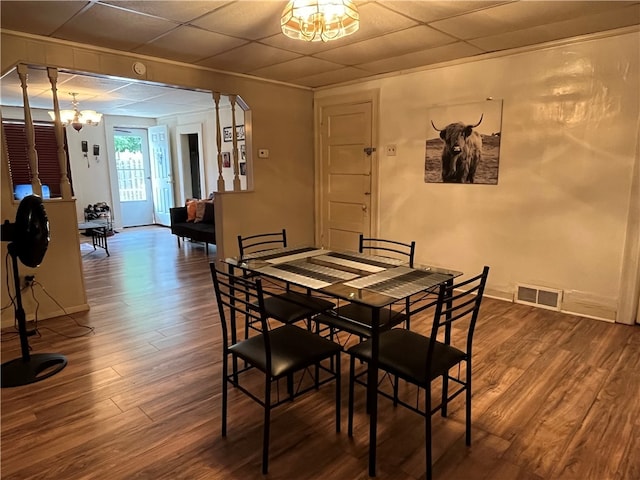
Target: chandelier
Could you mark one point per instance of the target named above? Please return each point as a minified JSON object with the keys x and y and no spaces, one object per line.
{"x":315,"y":20}
{"x":76,"y":118}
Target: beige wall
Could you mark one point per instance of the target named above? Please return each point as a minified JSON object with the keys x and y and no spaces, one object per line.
{"x":282,"y":122}
{"x":559,"y":215}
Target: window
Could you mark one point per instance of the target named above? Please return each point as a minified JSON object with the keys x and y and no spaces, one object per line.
{"x":47,"y":150}
{"x":130,"y":168}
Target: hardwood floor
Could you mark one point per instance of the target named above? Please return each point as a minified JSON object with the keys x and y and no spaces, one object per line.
{"x":554,"y":397}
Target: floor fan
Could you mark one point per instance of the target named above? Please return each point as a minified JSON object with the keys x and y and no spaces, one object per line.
{"x":29,"y":237}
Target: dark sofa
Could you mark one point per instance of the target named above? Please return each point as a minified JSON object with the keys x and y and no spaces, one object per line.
{"x":202,"y":231}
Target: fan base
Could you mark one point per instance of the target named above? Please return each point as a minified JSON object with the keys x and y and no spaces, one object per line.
{"x":18,"y":372}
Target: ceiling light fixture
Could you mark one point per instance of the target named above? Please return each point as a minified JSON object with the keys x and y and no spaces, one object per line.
{"x":315,"y":20}
{"x":76,"y":118}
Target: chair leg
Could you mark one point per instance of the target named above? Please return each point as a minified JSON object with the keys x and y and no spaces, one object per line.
{"x":266,"y":428}
{"x":225,"y":383}
{"x":445,"y":394}
{"x":290,"y":386}
{"x":352,"y":365}
{"x":338,"y":391}
{"x":427,"y":431}
{"x":468,"y":405}
{"x":395,"y":390}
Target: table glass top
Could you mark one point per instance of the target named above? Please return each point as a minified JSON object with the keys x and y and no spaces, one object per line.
{"x":368,"y":279}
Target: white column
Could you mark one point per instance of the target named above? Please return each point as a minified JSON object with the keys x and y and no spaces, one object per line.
{"x":216,"y":99}
{"x":236,"y":166}
{"x":32,"y":155}
{"x":65,"y":185}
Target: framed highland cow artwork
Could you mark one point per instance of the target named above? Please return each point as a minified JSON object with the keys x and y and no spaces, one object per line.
{"x":463,"y":143}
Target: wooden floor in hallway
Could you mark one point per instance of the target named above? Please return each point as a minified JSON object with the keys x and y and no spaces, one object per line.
{"x":555,"y":396}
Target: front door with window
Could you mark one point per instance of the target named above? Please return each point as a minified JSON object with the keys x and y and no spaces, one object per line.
{"x":134,"y":177}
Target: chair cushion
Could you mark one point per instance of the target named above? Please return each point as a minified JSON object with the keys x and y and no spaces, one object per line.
{"x":289,"y":307}
{"x":292,"y":348}
{"x":355,"y":318}
{"x":314,"y":303}
{"x":404,"y":353}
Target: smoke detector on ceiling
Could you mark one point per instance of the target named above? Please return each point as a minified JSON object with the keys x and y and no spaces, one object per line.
{"x":139,"y":68}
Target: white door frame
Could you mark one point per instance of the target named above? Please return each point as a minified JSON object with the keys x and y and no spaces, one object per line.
{"x":372,"y":96}
{"x":183,"y":160}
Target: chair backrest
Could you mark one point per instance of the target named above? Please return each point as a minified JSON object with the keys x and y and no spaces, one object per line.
{"x":458,"y":303}
{"x":398,"y":249}
{"x":238,"y":299}
{"x":261,"y":242}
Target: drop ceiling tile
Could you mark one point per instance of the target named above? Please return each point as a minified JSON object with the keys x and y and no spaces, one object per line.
{"x":392,"y":44}
{"x":296,"y":68}
{"x":88,"y":86}
{"x":110,"y":27}
{"x":375,"y":20}
{"x":422,"y":58}
{"x":519,"y":15}
{"x":437,"y":10}
{"x":189,"y":44}
{"x":138,"y":91}
{"x":40,"y":18}
{"x":248,"y":57}
{"x":333,"y":77}
{"x":185,"y":97}
{"x":171,"y":10}
{"x":569,"y":28}
{"x":246,"y":19}
{"x":155,"y":109}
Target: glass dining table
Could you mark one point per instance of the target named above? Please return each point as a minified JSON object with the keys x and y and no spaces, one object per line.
{"x":373,"y":281}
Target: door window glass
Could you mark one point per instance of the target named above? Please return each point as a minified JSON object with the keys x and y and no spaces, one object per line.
{"x":130,"y":168}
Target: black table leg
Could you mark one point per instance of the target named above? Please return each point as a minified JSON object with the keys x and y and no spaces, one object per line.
{"x":372,"y":390}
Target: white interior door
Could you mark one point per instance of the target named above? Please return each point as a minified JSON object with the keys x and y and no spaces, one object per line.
{"x":346,"y":132}
{"x":161,"y":176}
{"x":134,"y":176}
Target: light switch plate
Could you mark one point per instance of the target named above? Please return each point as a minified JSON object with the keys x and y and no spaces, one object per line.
{"x":263,"y":153}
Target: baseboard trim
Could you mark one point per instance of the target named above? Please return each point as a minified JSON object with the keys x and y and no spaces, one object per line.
{"x":8,"y":321}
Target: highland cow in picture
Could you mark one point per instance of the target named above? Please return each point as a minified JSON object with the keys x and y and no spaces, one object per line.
{"x":463,"y":143}
{"x":461,"y":153}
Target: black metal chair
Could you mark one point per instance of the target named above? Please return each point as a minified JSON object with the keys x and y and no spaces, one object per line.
{"x":286,"y":306}
{"x":279,"y":353}
{"x":355,"y":319}
{"x":419,"y":359}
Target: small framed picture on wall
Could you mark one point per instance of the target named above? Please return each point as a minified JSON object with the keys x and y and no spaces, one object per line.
{"x":243,"y":153}
{"x":227,"y":134}
{"x":226,"y":159}
{"x":243,"y":168}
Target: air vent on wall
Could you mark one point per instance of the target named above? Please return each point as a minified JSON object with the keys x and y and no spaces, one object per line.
{"x":542,"y":297}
